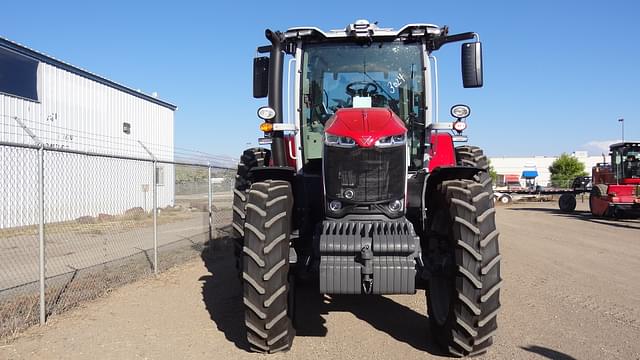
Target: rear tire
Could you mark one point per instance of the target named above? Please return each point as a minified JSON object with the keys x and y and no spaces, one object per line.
{"x":567,"y":203}
{"x":250,"y":159}
{"x":464,"y":289}
{"x":471,"y":156}
{"x":266,"y":266}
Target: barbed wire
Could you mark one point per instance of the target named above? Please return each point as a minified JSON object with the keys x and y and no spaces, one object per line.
{"x":63,"y":137}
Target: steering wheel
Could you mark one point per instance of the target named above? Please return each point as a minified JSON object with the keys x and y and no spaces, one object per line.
{"x":363,"y":88}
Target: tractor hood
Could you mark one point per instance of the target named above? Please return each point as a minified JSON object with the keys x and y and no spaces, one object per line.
{"x":365,"y":125}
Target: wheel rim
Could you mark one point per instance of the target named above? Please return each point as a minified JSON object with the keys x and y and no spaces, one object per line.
{"x":504,"y":200}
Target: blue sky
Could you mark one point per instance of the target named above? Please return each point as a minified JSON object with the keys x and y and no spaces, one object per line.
{"x":557,"y":74}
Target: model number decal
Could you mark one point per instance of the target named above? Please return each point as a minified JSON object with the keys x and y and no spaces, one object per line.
{"x":395,"y":84}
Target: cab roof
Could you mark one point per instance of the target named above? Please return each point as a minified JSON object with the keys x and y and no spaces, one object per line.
{"x":625,"y":144}
{"x":365,"y":29}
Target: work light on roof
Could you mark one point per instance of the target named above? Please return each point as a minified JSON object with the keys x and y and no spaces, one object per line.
{"x":266,"y":113}
{"x":460,"y":111}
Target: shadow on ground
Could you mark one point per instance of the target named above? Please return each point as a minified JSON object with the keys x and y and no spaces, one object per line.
{"x":222,"y":291}
{"x":222,"y":295}
{"x":546,"y":352}
{"x":583,"y":216}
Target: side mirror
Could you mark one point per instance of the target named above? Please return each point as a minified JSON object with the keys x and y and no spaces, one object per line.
{"x":260,"y":77}
{"x":472,"y":65}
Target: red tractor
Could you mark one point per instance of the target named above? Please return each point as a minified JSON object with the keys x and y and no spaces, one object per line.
{"x":362,"y":189}
{"x":616,"y":186}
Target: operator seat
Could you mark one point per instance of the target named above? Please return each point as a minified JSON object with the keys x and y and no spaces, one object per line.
{"x":632,"y":165}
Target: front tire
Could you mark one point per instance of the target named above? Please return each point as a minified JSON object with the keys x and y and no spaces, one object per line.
{"x":266,"y":266}
{"x":463,"y":295}
{"x":597,"y":191}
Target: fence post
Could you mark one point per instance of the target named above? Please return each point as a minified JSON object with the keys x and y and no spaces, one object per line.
{"x":210,"y":199}
{"x":155,"y":217}
{"x":155,"y":206}
{"x":41,"y":233}
{"x":41,"y":247}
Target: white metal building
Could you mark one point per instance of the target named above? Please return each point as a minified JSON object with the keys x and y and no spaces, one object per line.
{"x":66,"y":107}
{"x":522,"y":166}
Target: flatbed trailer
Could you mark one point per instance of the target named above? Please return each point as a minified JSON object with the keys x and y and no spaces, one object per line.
{"x":567,"y":201}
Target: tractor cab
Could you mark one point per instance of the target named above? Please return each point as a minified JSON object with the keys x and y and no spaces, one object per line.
{"x":360,"y":67}
{"x":386,"y":74}
{"x":625,"y":162}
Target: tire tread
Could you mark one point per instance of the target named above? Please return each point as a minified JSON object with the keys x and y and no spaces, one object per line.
{"x":471,"y":323}
{"x":267,"y":227}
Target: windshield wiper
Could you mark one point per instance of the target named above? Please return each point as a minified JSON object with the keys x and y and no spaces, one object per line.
{"x":364,"y":70}
{"x":381,"y":85}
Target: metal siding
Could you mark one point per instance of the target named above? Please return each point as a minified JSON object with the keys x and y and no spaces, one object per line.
{"x":94,"y":112}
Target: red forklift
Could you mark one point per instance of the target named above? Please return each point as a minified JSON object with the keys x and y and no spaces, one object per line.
{"x":616,"y":186}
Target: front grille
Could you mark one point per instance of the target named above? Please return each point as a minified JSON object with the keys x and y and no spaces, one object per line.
{"x":375,"y":175}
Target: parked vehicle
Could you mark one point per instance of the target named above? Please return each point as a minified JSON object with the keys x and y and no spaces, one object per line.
{"x":616,"y":186}
{"x":362,"y":189}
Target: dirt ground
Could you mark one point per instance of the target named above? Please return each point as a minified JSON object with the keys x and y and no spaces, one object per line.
{"x":572,"y":290}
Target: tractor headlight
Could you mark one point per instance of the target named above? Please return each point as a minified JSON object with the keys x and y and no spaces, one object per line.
{"x":395,"y":140}
{"x":335,"y":205}
{"x":460,"y":111}
{"x":339,"y":141}
{"x":395,"y":205}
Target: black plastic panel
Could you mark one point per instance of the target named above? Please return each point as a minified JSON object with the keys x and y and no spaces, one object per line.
{"x":472,"y":65}
{"x":368,"y":257}
{"x":260,"y":77}
{"x":375,"y":175}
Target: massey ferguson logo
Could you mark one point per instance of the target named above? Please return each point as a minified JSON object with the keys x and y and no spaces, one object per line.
{"x":367,"y":140}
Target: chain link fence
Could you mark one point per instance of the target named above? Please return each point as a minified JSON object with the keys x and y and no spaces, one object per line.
{"x":75,"y":225}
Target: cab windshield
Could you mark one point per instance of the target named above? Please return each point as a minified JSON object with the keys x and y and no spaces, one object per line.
{"x":345,"y":75}
{"x":626,"y":162}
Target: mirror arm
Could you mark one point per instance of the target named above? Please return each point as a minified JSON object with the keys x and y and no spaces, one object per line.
{"x":439,"y":41}
{"x":265,"y":49}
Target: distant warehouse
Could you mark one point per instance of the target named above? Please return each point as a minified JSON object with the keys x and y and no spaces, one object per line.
{"x":534,"y":170}
{"x":46,"y":101}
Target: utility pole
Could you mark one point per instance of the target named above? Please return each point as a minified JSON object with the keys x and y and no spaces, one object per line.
{"x":621,"y":120}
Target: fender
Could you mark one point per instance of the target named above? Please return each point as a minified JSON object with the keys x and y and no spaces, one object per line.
{"x":439,"y":175}
{"x":262,"y":173}
{"x":441,"y":152}
{"x":421,"y":182}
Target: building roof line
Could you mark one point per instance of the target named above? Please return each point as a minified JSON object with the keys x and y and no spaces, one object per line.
{"x":23,"y":50}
